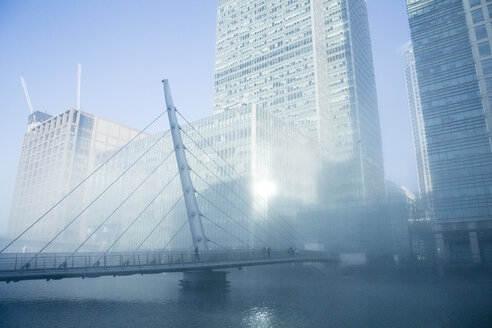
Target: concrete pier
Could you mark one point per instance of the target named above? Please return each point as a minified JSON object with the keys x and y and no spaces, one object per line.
{"x":204,"y":279}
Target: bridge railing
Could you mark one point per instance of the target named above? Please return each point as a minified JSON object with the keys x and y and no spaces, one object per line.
{"x":61,"y":261}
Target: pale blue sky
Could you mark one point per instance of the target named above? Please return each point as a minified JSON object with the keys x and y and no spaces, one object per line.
{"x":127,"y":47}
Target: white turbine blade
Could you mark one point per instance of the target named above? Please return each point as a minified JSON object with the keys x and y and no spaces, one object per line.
{"x":27,"y":94}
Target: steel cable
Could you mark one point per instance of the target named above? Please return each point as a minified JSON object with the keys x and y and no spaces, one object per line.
{"x":97,"y":197}
{"x":232,"y":179}
{"x":82,"y":182}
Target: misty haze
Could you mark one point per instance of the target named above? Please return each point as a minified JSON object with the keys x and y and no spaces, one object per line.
{"x":246,"y":163}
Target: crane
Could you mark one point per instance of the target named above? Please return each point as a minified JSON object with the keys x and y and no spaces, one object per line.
{"x":27,"y":95}
{"x":79,"y":73}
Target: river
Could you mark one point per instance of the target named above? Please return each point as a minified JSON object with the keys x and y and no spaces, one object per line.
{"x":257,"y":297}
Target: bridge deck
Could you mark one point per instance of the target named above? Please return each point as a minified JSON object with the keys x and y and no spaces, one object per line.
{"x":16,"y":267}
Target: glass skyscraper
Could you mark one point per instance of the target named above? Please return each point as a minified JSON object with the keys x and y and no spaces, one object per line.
{"x":249,"y":171}
{"x":310,"y":62}
{"x":451,"y":42}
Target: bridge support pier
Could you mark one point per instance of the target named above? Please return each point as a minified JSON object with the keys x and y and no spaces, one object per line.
{"x":204,"y":279}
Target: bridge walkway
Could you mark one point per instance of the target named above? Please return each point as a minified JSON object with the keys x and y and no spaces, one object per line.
{"x":17,"y":267}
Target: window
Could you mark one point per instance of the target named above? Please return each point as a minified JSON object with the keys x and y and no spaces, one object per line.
{"x":477,"y":15}
{"x":481,"y":32}
{"x":86,"y":122}
{"x":487,"y":66}
{"x":484,"y":48}
{"x":489,"y":7}
{"x":488,"y":84}
{"x":474,"y":3}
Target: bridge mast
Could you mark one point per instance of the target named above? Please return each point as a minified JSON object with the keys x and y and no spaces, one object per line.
{"x":194,"y":220}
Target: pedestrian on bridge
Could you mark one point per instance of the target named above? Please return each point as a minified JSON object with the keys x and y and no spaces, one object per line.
{"x":197,"y":255}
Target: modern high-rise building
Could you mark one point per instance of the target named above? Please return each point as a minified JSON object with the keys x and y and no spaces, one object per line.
{"x":252,"y":173}
{"x":58,"y":152}
{"x":453,"y":59}
{"x":309,"y":62}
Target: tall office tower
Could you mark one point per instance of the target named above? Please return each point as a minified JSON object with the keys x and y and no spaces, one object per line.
{"x":309,"y":62}
{"x":418,"y":131}
{"x":451,"y":41}
{"x":251,"y":171}
{"x":58,"y":152}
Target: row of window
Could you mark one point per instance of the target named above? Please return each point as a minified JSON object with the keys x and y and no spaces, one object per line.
{"x":478,"y":16}
{"x":260,"y":67}
{"x":35,"y":140}
{"x":260,"y":59}
{"x":474,"y":3}
{"x":52,"y":123}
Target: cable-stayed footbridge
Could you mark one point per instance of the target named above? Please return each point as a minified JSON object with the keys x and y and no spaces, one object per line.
{"x":225,"y":208}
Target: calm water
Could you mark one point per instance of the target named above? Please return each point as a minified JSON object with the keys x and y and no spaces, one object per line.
{"x":255,"y":299}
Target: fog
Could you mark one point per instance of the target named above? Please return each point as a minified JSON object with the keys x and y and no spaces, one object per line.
{"x":246,"y":164}
{"x":259,"y":299}
{"x":133,"y":95}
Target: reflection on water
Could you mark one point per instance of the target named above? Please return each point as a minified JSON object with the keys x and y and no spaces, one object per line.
{"x":255,"y":299}
{"x":260,"y":317}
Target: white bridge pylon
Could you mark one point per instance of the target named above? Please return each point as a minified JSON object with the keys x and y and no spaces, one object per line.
{"x":194,"y":215}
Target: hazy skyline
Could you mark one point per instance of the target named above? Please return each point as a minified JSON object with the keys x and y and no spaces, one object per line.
{"x":126,"y":48}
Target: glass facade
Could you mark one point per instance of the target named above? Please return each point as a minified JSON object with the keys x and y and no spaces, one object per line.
{"x":310,"y":62}
{"x":251,"y":171}
{"x":58,"y":152}
{"x":455,"y":106}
